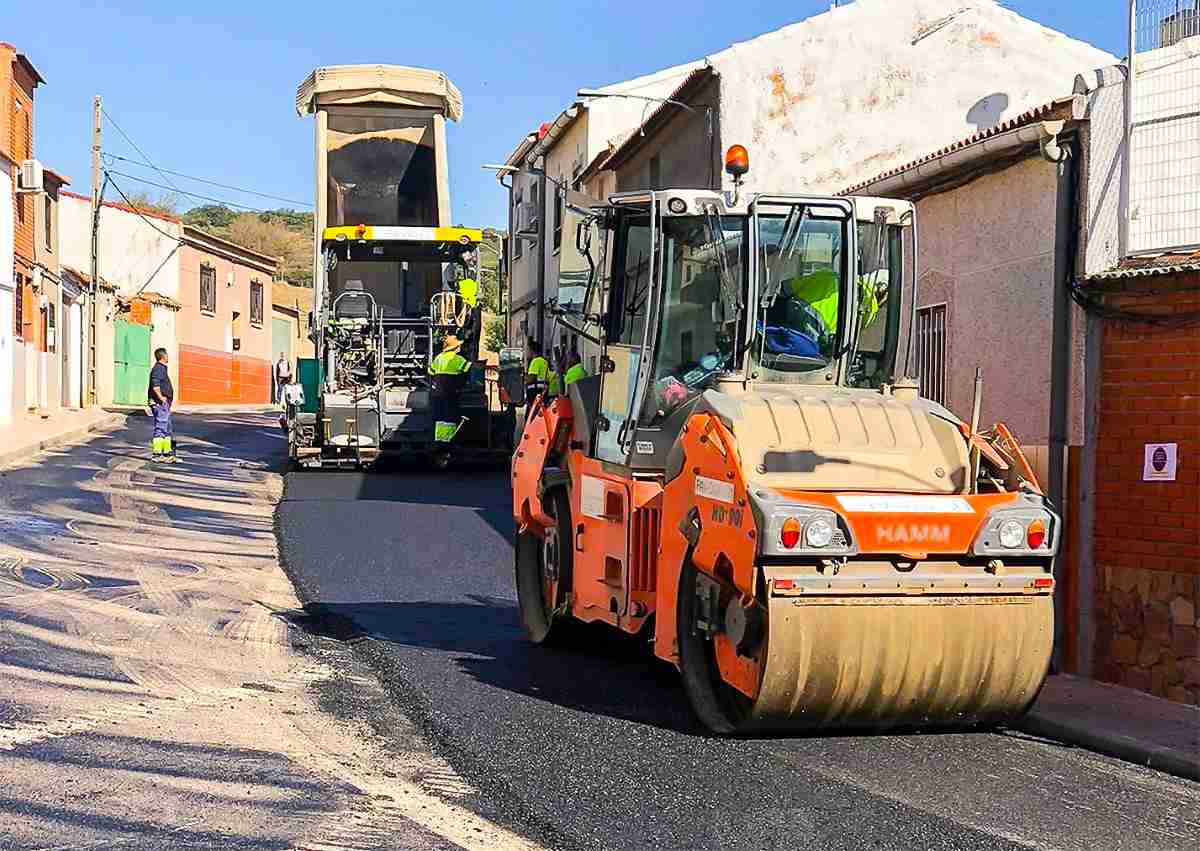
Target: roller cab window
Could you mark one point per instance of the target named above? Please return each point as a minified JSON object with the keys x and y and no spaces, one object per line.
{"x":800,"y":324}
{"x":703,"y":288}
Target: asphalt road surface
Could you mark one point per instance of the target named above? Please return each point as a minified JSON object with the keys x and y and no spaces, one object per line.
{"x":595,"y":747}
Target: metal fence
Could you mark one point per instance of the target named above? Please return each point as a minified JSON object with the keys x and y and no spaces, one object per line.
{"x":1164,"y":133}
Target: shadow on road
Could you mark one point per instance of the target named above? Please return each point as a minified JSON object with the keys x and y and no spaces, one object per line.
{"x":594,"y":669}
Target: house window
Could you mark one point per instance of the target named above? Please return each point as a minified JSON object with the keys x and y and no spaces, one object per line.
{"x":534,"y":214}
{"x":49,"y":328}
{"x":558,"y":221}
{"x":518,"y":209}
{"x":931,"y":352}
{"x":208,"y":289}
{"x":256,"y":303}
{"x":655,"y":172}
{"x":19,"y":307}
{"x":49,"y":223}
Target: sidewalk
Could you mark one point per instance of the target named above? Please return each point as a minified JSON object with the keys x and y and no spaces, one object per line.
{"x":30,"y":433}
{"x":1119,"y":722}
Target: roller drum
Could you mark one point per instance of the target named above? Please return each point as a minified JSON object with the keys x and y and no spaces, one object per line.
{"x":880,"y":662}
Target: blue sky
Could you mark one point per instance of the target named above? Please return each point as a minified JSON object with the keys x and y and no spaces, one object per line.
{"x":208,"y":88}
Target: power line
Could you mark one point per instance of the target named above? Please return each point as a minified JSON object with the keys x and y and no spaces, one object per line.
{"x":134,"y":207}
{"x":135,"y":146}
{"x":214,"y":183}
{"x":189,"y":194}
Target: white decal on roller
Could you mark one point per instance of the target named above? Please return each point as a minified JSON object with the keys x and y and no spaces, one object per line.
{"x":883,"y":504}
{"x":591,"y":497}
{"x":714,"y":489}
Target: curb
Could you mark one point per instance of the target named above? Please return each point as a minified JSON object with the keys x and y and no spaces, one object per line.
{"x":1167,"y":760}
{"x":105,"y":423}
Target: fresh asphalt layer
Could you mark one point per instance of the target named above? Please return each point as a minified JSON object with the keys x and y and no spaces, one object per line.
{"x":594,"y":746}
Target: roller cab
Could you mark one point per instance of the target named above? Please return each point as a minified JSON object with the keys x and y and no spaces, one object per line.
{"x":749,"y":480}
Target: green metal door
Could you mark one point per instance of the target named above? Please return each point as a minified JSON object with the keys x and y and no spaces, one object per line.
{"x":131,"y":363}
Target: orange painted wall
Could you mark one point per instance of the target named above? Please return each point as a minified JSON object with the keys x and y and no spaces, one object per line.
{"x":208,"y":377}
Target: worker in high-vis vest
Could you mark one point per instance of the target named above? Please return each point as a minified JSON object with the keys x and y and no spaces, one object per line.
{"x":575,"y":370}
{"x":449,"y":371}
{"x":467,"y":317}
{"x":812,"y":311}
{"x":537,"y":375}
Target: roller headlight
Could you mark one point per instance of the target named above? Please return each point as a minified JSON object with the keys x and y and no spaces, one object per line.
{"x":1029,"y":530}
{"x":1011,"y":534}
{"x":818,"y":534}
{"x":804,"y":530}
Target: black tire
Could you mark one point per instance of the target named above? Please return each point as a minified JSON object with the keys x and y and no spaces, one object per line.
{"x":719,"y":707}
{"x":538,"y":617}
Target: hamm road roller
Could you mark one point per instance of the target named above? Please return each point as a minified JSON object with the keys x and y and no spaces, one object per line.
{"x":748,"y":480}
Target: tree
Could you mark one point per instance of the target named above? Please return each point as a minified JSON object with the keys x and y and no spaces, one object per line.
{"x":166,"y":204}
{"x":494,"y":336}
{"x":286,"y":234}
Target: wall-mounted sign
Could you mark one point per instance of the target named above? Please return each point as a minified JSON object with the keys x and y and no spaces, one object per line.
{"x":1160,"y":463}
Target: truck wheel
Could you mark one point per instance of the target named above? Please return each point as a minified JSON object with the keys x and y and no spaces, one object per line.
{"x":719,"y":707}
{"x":543,"y":572}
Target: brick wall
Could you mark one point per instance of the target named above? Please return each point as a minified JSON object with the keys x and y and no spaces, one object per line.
{"x":1147,"y":534}
{"x":20,"y":146}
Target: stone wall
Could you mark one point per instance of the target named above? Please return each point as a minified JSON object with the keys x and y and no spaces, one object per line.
{"x":1148,"y":636}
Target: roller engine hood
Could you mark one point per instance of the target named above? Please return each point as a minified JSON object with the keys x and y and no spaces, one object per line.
{"x":799,"y":437}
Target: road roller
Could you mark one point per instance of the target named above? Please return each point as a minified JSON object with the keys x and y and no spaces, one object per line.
{"x":750,"y":478}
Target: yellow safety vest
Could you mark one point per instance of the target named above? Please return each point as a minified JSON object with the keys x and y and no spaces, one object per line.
{"x":553,"y":385}
{"x":449,"y":363}
{"x":574,"y":374}
{"x":468,"y":288}
{"x":539,"y":368}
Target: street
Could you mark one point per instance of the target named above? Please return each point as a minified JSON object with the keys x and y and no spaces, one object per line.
{"x":159,"y":684}
{"x":594,"y":747}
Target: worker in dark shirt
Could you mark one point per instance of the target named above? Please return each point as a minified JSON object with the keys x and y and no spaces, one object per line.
{"x":161,"y":396}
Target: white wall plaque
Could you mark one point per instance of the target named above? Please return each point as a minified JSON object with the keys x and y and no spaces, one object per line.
{"x":1160,"y":462}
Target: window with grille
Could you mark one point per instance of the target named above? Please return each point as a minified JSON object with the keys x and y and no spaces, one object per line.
{"x":534,"y":214}
{"x":208,"y":289}
{"x":256,"y":303}
{"x":49,"y":204}
{"x":931,"y":352}
{"x":19,"y":305}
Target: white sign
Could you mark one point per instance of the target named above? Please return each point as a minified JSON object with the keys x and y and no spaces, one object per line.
{"x":883,"y":504}
{"x":1160,"y":462}
{"x":591,"y":498}
{"x":714,"y":489}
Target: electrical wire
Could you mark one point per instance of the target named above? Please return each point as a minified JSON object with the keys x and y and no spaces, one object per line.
{"x":221,"y":201}
{"x":213,"y":182}
{"x":134,"y":207}
{"x":135,"y":147}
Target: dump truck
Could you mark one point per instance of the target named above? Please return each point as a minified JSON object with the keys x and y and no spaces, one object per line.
{"x":751,"y":480}
{"x":393,"y":280}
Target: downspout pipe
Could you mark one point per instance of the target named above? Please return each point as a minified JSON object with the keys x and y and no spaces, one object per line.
{"x":1063,"y":153}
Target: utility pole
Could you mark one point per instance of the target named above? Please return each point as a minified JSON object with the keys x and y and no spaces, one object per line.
{"x":97,"y":191}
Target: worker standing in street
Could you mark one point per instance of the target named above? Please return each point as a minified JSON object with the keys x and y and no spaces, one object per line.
{"x":161,"y":395}
{"x":537,"y":376}
{"x":554,"y":379}
{"x":449,"y":371}
{"x":283,"y":376}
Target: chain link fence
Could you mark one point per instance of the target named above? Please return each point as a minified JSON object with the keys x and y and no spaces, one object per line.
{"x":1164,"y":173}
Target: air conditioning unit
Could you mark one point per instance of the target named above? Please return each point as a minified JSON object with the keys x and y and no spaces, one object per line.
{"x":30,"y":179}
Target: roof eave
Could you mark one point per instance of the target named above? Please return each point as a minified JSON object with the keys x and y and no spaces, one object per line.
{"x":1024,"y":131}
